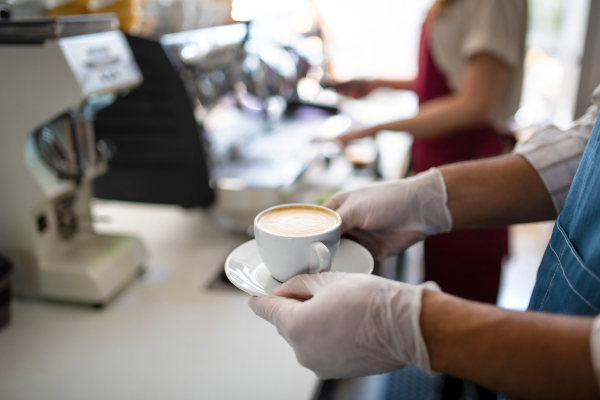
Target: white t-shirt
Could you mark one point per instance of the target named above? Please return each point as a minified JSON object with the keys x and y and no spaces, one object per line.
{"x":469,"y":27}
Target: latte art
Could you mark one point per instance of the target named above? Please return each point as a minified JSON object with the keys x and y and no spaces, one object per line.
{"x":298,"y":221}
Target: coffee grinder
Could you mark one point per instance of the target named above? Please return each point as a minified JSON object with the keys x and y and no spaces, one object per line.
{"x":56,"y":73}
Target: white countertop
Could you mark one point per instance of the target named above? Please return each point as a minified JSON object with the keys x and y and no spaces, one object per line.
{"x":167,"y":336}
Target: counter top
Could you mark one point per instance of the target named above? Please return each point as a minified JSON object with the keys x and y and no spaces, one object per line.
{"x":166,"y":336}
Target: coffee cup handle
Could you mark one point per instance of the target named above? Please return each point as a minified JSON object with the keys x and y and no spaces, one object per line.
{"x":320,"y":258}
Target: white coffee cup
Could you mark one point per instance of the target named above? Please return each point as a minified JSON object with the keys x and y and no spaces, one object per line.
{"x":289,"y":253}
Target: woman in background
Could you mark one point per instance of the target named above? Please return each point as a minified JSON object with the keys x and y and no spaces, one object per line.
{"x":469,"y":82}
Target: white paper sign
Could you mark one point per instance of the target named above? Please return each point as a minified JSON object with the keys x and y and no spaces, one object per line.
{"x":101,"y":61}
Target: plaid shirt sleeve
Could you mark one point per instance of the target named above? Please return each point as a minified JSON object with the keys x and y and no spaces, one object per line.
{"x":555,"y":154}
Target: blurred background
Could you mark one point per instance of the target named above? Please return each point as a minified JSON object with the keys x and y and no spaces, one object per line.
{"x":213,"y":111}
{"x":375,"y":40}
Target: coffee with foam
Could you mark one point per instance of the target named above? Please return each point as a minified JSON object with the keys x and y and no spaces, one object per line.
{"x":298,"y":221}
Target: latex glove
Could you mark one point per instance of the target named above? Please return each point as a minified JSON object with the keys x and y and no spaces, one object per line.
{"x":350,"y":324}
{"x":388,"y":217}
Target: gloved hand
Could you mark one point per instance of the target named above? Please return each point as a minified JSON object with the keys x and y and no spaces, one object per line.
{"x":349,"y":325}
{"x":388,"y":217}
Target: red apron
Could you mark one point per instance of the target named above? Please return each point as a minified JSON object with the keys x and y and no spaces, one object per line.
{"x":465,"y":263}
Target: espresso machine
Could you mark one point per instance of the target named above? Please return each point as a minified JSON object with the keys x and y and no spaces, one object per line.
{"x":56,"y":74}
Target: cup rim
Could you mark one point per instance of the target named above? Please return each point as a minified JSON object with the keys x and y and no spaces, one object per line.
{"x":336,"y":226}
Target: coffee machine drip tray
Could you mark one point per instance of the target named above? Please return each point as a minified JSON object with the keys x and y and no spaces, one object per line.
{"x":37,"y":30}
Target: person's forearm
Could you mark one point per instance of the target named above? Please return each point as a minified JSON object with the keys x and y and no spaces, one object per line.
{"x":523,"y":355}
{"x":440,"y":117}
{"x":497,"y":191}
{"x":398,"y":85}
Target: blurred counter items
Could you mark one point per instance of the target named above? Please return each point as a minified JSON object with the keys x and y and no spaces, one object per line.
{"x":5,"y":290}
{"x":64,"y":69}
{"x":223,"y":115}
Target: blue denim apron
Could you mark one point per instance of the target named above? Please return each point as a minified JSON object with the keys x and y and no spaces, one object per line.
{"x":568,"y":280}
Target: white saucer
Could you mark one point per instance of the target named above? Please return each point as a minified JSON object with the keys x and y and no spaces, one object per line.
{"x":245,"y":269}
